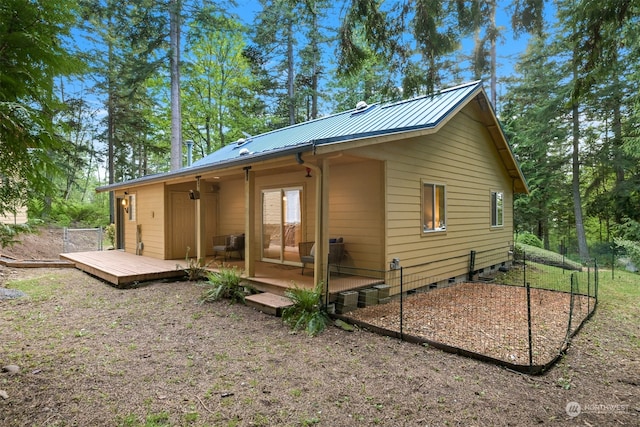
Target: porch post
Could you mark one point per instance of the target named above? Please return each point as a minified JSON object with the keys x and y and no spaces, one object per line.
{"x":250,"y":222}
{"x":322,"y":223}
{"x":201,"y":248}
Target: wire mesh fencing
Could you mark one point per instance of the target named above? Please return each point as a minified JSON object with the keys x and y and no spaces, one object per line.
{"x":82,"y":239}
{"x":497,"y":306}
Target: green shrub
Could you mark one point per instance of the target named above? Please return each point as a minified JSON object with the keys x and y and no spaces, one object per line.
{"x":306,"y":312}
{"x":628,"y":230}
{"x":110,"y":234}
{"x":530,"y":239}
{"x":632,"y":250}
{"x":225,"y":283}
{"x":543,"y":256}
{"x":69,"y":213}
{"x":196,"y":269}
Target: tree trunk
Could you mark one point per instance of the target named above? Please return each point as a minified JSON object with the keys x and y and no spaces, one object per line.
{"x":616,"y":127}
{"x":110,"y":126}
{"x":176,"y":115}
{"x":316,"y":60}
{"x":575,"y":185}
{"x":494,"y":37}
{"x":291,"y":74}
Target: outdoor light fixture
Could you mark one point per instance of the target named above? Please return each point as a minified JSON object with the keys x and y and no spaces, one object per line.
{"x":308,"y":173}
{"x":125,"y":204}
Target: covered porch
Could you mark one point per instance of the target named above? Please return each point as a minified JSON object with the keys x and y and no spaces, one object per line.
{"x":123,"y":270}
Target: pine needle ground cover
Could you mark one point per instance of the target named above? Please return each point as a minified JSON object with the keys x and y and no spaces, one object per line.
{"x":93,"y":355}
{"x":488,"y":319}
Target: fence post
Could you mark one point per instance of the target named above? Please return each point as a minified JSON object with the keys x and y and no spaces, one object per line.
{"x":528,"y":286}
{"x":588,"y":288}
{"x":65,"y":239}
{"x":613,"y":260}
{"x":573,"y":280}
{"x":401,"y":304}
{"x":596,"y":277}
{"x":472,"y":264}
{"x":524,"y":267}
{"x":563,"y":250}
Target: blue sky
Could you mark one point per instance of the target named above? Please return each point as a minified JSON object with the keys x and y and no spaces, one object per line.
{"x":509,"y":46}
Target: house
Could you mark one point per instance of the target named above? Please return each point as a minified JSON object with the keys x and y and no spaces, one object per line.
{"x":15,"y":218}
{"x":421,"y":180}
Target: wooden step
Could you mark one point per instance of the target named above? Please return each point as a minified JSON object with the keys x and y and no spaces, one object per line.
{"x":268,"y":303}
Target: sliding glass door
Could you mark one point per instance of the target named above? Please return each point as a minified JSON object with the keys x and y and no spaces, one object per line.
{"x":281,"y":224}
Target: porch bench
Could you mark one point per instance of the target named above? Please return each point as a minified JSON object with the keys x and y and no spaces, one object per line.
{"x":228,"y":244}
{"x":307,"y":252}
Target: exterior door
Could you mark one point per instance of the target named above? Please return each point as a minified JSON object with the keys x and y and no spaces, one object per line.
{"x":119,"y":224}
{"x":281,"y":225}
{"x":182,"y":225}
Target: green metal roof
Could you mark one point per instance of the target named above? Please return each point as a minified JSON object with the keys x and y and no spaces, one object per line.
{"x":371,"y":120}
{"x":422,"y":113}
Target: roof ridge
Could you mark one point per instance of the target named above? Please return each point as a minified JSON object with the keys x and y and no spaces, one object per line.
{"x":431,"y":95}
{"x":460,"y":86}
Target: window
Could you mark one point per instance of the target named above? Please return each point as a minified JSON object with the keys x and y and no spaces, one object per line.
{"x":132,"y":207}
{"x":433,"y":211}
{"x":497,"y":209}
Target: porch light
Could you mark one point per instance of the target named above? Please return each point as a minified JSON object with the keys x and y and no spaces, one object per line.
{"x":125,"y":204}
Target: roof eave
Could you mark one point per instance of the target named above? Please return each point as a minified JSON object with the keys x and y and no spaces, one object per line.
{"x":199,"y":170}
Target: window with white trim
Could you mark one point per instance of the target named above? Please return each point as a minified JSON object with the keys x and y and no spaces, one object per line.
{"x":433,"y":207}
{"x":132,"y":207}
{"x":497,"y":209}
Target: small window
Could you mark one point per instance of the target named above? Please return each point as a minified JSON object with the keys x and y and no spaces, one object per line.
{"x":433,"y":208}
{"x":497,"y":209}
{"x":132,"y":207}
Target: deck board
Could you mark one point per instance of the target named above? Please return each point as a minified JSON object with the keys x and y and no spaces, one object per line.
{"x":121,"y":268}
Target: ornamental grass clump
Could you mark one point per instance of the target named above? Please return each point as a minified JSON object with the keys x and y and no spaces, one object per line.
{"x":306,"y":312}
{"x":226,"y":283}
{"x":196,"y":269}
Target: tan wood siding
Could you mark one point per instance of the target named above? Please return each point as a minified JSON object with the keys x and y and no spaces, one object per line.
{"x":356,"y":211}
{"x":462,"y":157}
{"x":210,"y":200}
{"x":149,"y":216}
{"x":20,"y":217}
{"x":231,"y":207}
{"x":182,"y":225}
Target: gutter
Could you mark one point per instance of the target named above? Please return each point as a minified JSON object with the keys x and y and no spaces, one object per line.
{"x":185,"y":172}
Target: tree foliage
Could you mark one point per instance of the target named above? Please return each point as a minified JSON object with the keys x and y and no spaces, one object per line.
{"x":32,"y":57}
{"x":571,"y":110}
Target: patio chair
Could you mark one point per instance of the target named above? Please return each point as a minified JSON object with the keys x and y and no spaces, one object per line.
{"x":307,"y":252}
{"x":227,"y":244}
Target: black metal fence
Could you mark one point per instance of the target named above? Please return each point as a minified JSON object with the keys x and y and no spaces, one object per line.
{"x":495,"y":305}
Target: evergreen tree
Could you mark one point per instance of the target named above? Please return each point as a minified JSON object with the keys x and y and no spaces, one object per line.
{"x":32,"y":56}
{"x":219,"y":99}
{"x":289,"y":34}
{"x":534,"y":121}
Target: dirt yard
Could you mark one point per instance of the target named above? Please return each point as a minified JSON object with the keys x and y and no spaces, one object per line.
{"x":92,"y":355}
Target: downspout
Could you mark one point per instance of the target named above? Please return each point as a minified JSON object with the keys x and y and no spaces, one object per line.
{"x":318,"y":273}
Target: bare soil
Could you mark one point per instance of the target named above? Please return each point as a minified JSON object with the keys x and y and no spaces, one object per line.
{"x":93,"y":355}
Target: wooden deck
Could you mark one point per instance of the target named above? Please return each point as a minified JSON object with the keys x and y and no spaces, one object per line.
{"x":123,"y":269}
